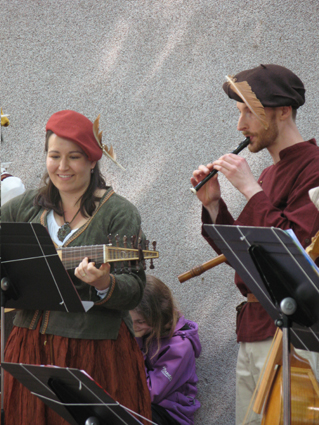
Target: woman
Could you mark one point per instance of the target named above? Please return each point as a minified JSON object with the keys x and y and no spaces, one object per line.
{"x":78,"y":209}
{"x":170,"y":344}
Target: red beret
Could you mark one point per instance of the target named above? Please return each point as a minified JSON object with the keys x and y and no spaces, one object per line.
{"x":77,"y":128}
{"x":273,"y":85}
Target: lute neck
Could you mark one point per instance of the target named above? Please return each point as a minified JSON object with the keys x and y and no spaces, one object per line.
{"x":72,"y":256}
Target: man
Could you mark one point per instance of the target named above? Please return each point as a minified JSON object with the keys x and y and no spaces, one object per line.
{"x":10,"y":186}
{"x":267,"y":99}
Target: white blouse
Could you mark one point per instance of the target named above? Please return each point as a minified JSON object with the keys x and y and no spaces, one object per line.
{"x":53,"y":229}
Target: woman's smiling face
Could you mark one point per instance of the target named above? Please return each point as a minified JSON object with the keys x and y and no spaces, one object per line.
{"x":68,"y":166}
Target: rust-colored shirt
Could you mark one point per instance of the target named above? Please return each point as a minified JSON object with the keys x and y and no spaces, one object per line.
{"x":284,"y":203}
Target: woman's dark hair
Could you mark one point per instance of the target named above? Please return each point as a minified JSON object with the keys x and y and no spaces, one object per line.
{"x":159,"y":311}
{"x":49,"y":197}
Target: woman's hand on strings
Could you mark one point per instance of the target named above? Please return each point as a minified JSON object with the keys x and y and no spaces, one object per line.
{"x":97,"y":277}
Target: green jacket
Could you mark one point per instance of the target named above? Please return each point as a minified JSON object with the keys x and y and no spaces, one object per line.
{"x":115,"y":215}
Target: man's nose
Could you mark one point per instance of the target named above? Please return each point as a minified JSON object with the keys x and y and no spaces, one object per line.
{"x":241,"y":125}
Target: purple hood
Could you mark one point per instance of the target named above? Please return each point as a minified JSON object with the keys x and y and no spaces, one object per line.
{"x":171,"y":373}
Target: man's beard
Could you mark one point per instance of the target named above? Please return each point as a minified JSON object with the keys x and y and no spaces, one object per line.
{"x":265,"y":138}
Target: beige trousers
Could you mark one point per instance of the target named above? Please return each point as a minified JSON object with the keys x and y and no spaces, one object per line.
{"x":250,"y":361}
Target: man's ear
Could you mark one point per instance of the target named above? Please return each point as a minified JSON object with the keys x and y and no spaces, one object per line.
{"x":285,"y":112}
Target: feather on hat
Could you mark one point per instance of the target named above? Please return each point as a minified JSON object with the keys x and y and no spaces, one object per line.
{"x":98,"y":137}
{"x":244,"y":91}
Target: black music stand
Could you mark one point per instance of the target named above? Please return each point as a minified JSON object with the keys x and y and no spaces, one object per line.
{"x":285,"y":280}
{"x":28,"y":260}
{"x":32,"y":275}
{"x":73,"y":394}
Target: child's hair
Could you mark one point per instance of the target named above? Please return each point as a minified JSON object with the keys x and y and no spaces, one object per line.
{"x":159,"y":311}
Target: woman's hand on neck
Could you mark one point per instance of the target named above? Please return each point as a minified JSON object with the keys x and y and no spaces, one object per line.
{"x":88,"y":273}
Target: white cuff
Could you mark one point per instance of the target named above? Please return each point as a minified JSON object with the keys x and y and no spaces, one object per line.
{"x":102,"y":294}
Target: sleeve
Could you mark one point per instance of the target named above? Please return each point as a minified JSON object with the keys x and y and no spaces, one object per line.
{"x":9,"y":211}
{"x":223,"y":217}
{"x":173,"y":368}
{"x":20,"y":208}
{"x":127,"y":286}
{"x":297,"y":212}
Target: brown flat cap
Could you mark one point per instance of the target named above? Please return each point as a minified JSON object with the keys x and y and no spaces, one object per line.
{"x":273,"y":85}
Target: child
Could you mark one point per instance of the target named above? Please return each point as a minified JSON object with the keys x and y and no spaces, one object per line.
{"x":170,"y":344}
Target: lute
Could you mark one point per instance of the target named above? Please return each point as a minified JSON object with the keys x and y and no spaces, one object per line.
{"x":72,"y":256}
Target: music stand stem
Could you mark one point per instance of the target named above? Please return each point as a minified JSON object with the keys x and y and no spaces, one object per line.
{"x":2,"y":354}
{"x":288,"y":306}
{"x":284,"y":323}
{"x":286,"y":376}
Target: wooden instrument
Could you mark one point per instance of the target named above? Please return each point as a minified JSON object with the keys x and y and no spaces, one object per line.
{"x":198,"y":270}
{"x":304,"y":390}
{"x":72,"y":256}
{"x":313,"y":248}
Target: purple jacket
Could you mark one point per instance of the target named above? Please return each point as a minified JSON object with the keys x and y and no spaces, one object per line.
{"x":171,"y":374}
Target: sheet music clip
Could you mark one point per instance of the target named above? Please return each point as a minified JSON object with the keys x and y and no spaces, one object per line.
{"x":71,"y":393}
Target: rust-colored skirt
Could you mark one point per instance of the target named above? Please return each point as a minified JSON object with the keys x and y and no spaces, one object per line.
{"x":118,"y":366}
